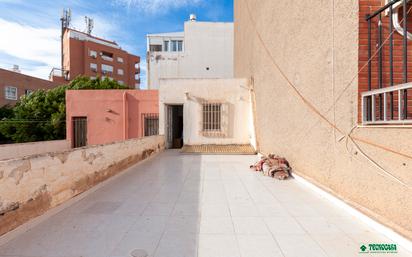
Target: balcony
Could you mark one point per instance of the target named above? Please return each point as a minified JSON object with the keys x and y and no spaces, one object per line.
{"x":59,"y":73}
{"x":197,"y":205}
{"x":106,"y":56}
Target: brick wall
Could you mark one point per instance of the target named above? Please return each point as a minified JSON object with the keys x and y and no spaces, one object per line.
{"x":77,"y":60}
{"x":367,"y":7}
{"x":22,"y":83}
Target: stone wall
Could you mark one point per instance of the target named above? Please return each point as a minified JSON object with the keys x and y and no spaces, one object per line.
{"x":314,"y":46}
{"x":12,"y":151}
{"x":30,"y":186}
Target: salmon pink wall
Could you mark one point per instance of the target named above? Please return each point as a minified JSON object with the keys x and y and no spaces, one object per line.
{"x":112,"y":115}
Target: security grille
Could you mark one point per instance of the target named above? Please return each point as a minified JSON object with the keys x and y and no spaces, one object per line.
{"x":150,"y":124}
{"x":79,"y":132}
{"x":212,"y":117}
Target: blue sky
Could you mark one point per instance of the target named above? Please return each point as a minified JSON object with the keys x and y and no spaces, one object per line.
{"x":30,"y":29}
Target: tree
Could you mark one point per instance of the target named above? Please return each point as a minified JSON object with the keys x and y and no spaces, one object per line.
{"x":6,"y":112}
{"x":41,"y":115}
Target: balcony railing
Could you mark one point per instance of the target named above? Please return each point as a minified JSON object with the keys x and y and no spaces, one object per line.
{"x":386,"y":105}
{"x":386,"y":101}
{"x":107,"y":58}
{"x":56,"y":72}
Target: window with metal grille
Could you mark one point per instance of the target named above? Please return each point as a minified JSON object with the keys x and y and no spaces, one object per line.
{"x":212,"y":117}
{"x":79,"y":132}
{"x":150,"y":124}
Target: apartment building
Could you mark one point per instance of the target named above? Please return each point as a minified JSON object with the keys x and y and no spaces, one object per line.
{"x":202,"y":50}
{"x":13,"y":85}
{"x":87,"y":55}
{"x":331,"y":88}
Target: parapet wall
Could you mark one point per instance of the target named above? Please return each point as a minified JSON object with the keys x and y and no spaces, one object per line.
{"x":30,"y":186}
{"x":13,"y":151}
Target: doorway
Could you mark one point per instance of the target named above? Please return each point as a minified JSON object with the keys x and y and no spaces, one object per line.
{"x":174,"y":126}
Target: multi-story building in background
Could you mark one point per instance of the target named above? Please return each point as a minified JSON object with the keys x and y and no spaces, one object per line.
{"x":202,"y":50}
{"x":13,"y":85}
{"x":87,"y":55}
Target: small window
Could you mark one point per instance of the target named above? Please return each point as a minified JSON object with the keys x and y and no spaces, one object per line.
{"x":166,"y":46}
{"x":155,"y":48}
{"x":120,"y":71}
{"x":10,"y":93}
{"x":28,"y":91}
{"x":107,"y":69}
{"x":93,"y":67}
{"x":176,"y":46}
{"x":212,"y":117}
{"x":93,"y":54}
{"x":180,"y":46}
{"x":79,"y":126}
{"x":120,"y":82}
{"x":151,"y":124}
{"x":120,"y":59}
{"x":173,"y":46}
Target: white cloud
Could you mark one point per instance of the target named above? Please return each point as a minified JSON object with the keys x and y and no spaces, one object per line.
{"x":157,"y":6}
{"x":37,"y":50}
{"x":41,"y":45}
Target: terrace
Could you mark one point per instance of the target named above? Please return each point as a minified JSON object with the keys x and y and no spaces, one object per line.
{"x":195,"y":205}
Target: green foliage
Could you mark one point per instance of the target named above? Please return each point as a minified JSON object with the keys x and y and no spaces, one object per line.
{"x":6,"y":112}
{"x":41,"y":115}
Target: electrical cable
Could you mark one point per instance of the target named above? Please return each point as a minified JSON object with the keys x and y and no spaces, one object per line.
{"x":315,"y":110}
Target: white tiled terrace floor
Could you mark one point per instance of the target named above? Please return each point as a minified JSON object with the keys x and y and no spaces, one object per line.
{"x":189,"y":205}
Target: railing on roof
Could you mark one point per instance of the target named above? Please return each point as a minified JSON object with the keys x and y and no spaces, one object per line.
{"x":56,"y":72}
{"x":376,"y":109}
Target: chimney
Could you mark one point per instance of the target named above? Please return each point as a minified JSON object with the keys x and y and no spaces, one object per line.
{"x":16,"y":68}
{"x":192,"y":17}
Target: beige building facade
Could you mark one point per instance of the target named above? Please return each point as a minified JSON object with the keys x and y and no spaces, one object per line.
{"x":205,"y":112}
{"x":305,"y":88}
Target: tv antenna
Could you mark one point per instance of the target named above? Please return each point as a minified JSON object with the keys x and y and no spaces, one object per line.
{"x":89,"y":25}
{"x":66,"y":18}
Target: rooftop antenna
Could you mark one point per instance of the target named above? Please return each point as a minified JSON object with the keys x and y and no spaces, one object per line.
{"x":65,"y":19}
{"x":89,"y":25}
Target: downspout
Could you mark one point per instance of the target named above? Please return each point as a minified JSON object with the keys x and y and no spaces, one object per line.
{"x":125,"y":117}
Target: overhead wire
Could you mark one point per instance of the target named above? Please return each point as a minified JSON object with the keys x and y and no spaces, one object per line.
{"x":317,"y":112}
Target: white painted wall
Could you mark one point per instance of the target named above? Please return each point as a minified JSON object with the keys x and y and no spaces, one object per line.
{"x":206,"y":45}
{"x":233,"y":92}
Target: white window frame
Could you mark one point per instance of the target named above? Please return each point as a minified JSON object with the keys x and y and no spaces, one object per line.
{"x":120,"y":59}
{"x":121,"y":82}
{"x":93,"y":67}
{"x":120,"y":72}
{"x":166,"y":45}
{"x":107,"y":69}
{"x":7,"y":91}
{"x":28,"y":91}
{"x":93,"y":54}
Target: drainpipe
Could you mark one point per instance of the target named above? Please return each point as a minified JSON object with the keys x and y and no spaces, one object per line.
{"x":125,"y":117}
